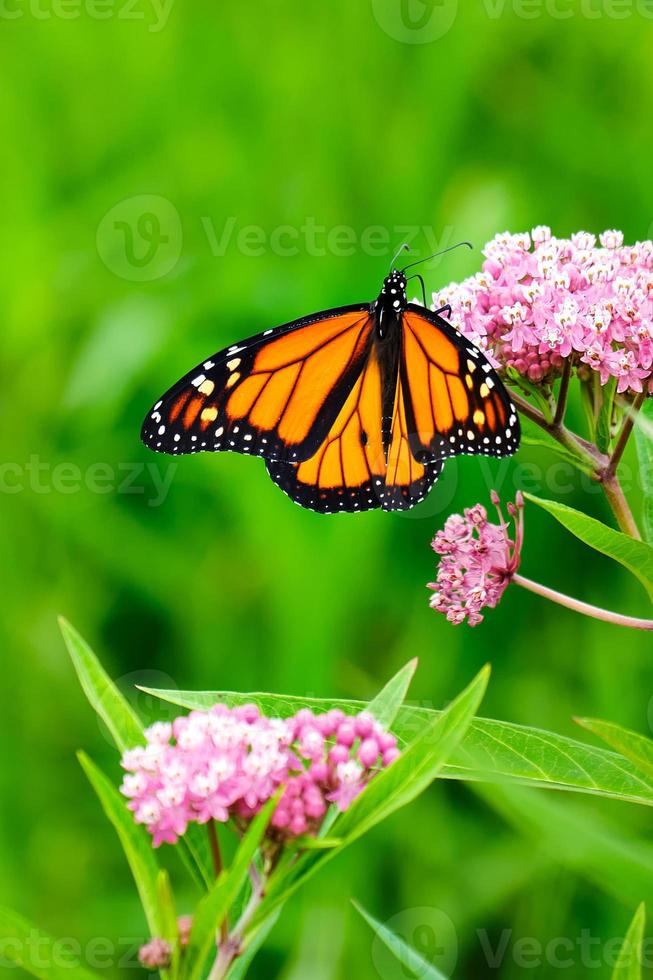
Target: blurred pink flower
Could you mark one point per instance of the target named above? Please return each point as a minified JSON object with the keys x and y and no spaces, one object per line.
{"x":155,"y":955}
{"x":226,"y":763}
{"x":539,"y":300}
{"x":478,"y":561}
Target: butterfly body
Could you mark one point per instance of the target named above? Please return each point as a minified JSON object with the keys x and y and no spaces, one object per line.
{"x":352,"y":408}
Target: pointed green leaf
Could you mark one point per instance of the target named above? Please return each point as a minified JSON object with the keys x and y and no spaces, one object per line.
{"x":215,"y":906}
{"x":135,"y":843}
{"x":251,"y":947}
{"x":636,"y":556}
{"x":418,"y":765}
{"x":387,"y":703}
{"x":124,"y":725}
{"x":633,"y":746}
{"x":492,"y":751}
{"x":629,"y":964}
{"x":604,"y":421}
{"x":644,"y":444}
{"x":36,"y":952}
{"x":103,"y":695}
{"x":409,"y":958}
{"x":168,"y":917}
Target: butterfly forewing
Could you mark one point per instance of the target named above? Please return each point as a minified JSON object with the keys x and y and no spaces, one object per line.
{"x":274,"y":395}
{"x":457,"y":404}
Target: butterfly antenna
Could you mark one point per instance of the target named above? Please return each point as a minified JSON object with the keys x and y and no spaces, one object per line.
{"x":442,"y":252}
{"x":402,"y":247}
{"x":416,"y":275}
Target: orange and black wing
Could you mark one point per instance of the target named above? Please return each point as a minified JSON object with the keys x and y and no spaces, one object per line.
{"x":351,"y":471}
{"x":275,"y":395}
{"x":456,"y":402}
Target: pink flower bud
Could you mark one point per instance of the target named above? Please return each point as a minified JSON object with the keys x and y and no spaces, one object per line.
{"x":155,"y":955}
{"x":346,"y":733}
{"x":368,"y":752}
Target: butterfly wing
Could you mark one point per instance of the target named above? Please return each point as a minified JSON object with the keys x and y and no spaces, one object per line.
{"x":456,"y":401}
{"x":275,"y":395}
{"x":350,"y":471}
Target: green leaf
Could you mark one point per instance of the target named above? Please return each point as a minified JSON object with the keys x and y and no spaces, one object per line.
{"x":519,"y":381}
{"x":135,"y":843}
{"x":386,"y":704}
{"x":644,"y":445}
{"x":533,"y":435}
{"x":168,"y":916}
{"x":604,"y":421}
{"x":126,"y":730}
{"x":36,"y":952}
{"x":103,"y":695}
{"x":418,"y":765}
{"x":636,"y":556}
{"x":633,"y":746}
{"x":492,"y":751}
{"x":408,"y":957}
{"x":590,"y":842}
{"x":252,"y":945}
{"x":215,"y":906}
{"x":629,"y":964}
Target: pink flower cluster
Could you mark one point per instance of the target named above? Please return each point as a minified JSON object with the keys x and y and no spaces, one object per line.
{"x":478,"y":561}
{"x":539,"y":300}
{"x":227,"y":762}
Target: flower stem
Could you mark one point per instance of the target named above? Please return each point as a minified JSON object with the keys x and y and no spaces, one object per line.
{"x":583,"y":607}
{"x":620,"y":508}
{"x":587,"y":457}
{"x":215,"y":847}
{"x":217,"y":867}
{"x":624,"y":435}
{"x":561,"y":405}
{"x":231,"y":946}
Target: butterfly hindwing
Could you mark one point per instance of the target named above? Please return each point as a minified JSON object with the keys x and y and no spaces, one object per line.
{"x":274,"y":395}
{"x":349,"y":471}
{"x":457,"y":402}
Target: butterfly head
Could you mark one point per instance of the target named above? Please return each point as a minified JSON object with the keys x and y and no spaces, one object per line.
{"x":394,"y":290}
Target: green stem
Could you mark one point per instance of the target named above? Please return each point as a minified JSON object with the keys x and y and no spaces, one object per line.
{"x":231,"y":946}
{"x":617,"y":500}
{"x":624,"y":436}
{"x":583,"y":607}
{"x":217,"y":867}
{"x":594,"y":463}
{"x":588,"y":459}
{"x":561,"y":405}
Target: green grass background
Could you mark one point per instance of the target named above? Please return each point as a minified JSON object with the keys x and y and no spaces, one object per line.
{"x":269,"y":115}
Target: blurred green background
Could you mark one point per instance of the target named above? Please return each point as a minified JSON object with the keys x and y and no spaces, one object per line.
{"x":175,"y":179}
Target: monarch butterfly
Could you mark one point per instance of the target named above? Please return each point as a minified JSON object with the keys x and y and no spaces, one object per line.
{"x":352,"y":408}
